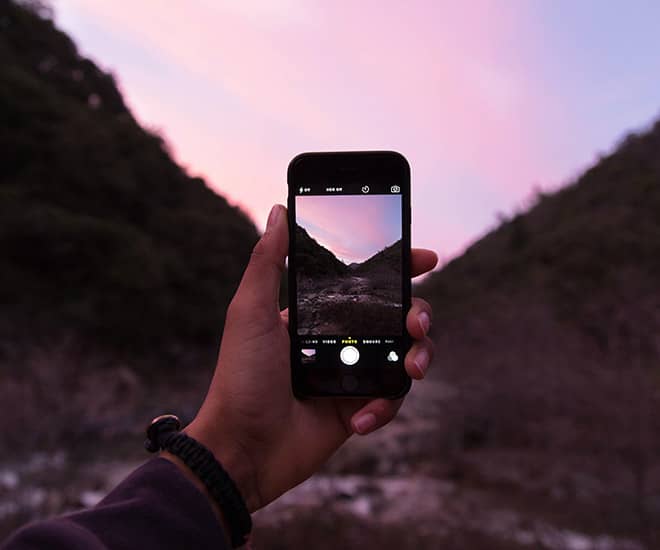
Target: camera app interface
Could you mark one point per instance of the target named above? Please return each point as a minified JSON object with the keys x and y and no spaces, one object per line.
{"x":348,"y":275}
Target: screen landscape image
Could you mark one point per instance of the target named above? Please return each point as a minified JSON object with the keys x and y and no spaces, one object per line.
{"x":348,"y":265}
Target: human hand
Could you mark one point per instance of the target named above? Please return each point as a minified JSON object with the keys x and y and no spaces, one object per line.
{"x":266,"y":439}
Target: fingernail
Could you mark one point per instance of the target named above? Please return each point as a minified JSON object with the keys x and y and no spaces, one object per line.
{"x":422,"y":361}
{"x":424,"y":321}
{"x":365,"y":423}
{"x":273,"y":216}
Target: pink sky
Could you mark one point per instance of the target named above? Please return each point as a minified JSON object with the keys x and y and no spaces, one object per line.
{"x":352,"y":227}
{"x":486,"y":99}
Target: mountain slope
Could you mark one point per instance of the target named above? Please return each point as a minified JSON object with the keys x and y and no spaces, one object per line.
{"x":315,"y":259}
{"x":102,"y":233}
{"x":590,"y":252}
{"x":388,"y":258}
{"x":549,"y":357}
{"x":549,"y":325}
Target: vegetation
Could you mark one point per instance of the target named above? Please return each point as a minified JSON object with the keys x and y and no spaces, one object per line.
{"x":548,"y":330}
{"x":591,"y":252}
{"x":102,"y":233}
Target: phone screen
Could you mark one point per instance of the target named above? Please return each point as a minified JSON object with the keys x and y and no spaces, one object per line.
{"x":348,"y":246}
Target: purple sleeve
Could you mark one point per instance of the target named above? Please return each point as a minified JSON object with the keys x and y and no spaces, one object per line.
{"x":155,"y":507}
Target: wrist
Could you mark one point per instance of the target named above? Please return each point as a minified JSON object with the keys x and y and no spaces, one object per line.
{"x":192,"y":477}
{"x":236,"y":463}
{"x":197,"y":462}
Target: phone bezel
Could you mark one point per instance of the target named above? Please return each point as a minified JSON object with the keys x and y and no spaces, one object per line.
{"x":377,"y":381}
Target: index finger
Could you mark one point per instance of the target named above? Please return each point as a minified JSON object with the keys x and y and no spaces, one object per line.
{"x":422,"y":260}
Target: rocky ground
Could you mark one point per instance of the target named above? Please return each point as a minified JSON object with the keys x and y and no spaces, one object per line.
{"x":347,"y":305}
{"x":403,"y":487}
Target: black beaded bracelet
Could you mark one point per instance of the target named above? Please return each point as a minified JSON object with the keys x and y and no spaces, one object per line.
{"x":163,"y":433}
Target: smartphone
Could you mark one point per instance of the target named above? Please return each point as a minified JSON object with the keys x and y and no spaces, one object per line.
{"x":349,"y":273}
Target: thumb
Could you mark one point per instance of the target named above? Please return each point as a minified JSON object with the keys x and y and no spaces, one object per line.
{"x":260,"y":285}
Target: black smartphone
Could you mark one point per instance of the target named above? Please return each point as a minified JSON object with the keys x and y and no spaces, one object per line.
{"x":349,"y":273}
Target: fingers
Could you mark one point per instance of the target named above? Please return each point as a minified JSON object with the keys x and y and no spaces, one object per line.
{"x":259,"y":288}
{"x":418,"y":320}
{"x":419,"y":358}
{"x":418,"y":323}
{"x":375,"y":414}
{"x":284,"y":315}
{"x":422,"y":260}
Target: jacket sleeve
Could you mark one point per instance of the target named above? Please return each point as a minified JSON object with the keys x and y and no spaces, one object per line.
{"x":154,"y":507}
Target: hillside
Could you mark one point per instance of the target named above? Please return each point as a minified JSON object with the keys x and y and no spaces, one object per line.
{"x":388,"y":258}
{"x":317,"y":260}
{"x":103,"y":235}
{"x":548,"y":333}
{"x":589,"y":253}
{"x":555,"y":305}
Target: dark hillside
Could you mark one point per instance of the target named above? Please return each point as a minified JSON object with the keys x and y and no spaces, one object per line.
{"x":317,"y":260}
{"x":102,"y":233}
{"x":388,"y":258}
{"x":590,"y":253}
{"x":549,"y":333}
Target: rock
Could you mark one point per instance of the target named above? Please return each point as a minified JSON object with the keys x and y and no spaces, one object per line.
{"x":90,"y":498}
{"x":8,"y":480}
